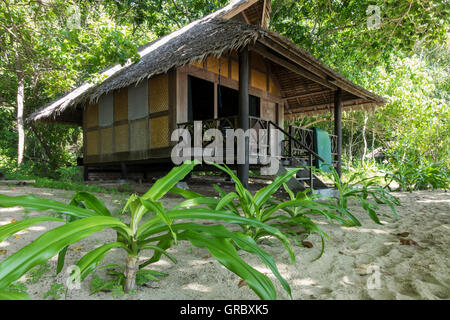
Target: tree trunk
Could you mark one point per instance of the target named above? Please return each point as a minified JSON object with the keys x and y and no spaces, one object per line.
{"x":366,"y":117}
{"x":373,"y":146}
{"x":130,"y":273}
{"x":20,"y":127}
{"x":350,"y":148}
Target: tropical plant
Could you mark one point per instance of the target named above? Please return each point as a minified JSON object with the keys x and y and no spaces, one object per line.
{"x":87,"y":215}
{"x":290,"y":217}
{"x":360,"y":189}
{"x":416,"y":173}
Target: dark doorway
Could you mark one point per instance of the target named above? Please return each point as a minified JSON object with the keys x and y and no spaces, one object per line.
{"x":228,"y":103}
{"x":200,"y":99}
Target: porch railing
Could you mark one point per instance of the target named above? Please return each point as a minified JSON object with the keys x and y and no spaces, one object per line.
{"x":306,"y":137}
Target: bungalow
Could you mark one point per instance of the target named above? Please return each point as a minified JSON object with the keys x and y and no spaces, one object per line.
{"x":227,"y":70}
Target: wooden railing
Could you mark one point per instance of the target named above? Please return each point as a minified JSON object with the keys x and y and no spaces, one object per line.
{"x":225,"y":123}
{"x":297,"y":143}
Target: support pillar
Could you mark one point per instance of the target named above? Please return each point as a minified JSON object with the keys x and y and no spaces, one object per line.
{"x":338,"y":128}
{"x":124,"y":171}
{"x":85,"y":173}
{"x":243,"y":122}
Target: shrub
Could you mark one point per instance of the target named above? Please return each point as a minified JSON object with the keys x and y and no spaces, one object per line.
{"x":417,"y":174}
{"x":86,"y":215}
{"x":360,"y":189}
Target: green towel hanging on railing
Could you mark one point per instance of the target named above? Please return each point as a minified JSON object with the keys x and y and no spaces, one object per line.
{"x":322,"y":146}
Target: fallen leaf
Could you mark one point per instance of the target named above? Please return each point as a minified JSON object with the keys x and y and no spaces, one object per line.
{"x":78,"y":248}
{"x":362,"y":270}
{"x":408,"y":242}
{"x":13,"y":220}
{"x":207,"y":256}
{"x":17,"y":236}
{"x":2,"y":252}
{"x":403,"y":234}
{"x":208,"y":223}
{"x":242,"y":283}
{"x":307,"y":244}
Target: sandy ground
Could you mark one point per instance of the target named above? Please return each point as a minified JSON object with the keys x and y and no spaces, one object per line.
{"x":368,"y":262}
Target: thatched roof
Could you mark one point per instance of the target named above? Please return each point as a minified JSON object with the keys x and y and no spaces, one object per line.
{"x":211,"y":35}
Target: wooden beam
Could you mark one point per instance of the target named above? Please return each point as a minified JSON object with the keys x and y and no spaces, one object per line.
{"x":309,"y":94}
{"x":355,"y":91}
{"x":239,"y":9}
{"x":349,"y":103}
{"x":287,"y":53}
{"x":244,"y":16}
{"x":265,"y":14}
{"x":299,"y":113}
{"x":305,"y":63}
{"x":292,"y":67}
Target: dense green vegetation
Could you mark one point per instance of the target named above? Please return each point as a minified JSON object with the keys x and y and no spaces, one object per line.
{"x":49,"y":47}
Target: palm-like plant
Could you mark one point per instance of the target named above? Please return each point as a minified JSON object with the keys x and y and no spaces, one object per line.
{"x":87,"y":215}
{"x":285,"y":216}
{"x":360,"y":189}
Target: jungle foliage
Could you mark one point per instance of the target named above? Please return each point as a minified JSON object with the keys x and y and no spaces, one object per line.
{"x":49,"y":47}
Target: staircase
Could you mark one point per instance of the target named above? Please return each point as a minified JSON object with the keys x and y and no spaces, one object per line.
{"x":298,"y":152}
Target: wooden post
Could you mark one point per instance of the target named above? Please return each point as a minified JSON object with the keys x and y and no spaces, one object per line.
{"x":338,"y":128}
{"x":85,"y":173}
{"x":124,"y":171}
{"x":291,"y":143}
{"x":243,"y":121}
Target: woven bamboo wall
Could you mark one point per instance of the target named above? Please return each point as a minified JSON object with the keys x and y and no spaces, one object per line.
{"x":121,"y":138}
{"x":106,"y":110}
{"x":121,"y":104}
{"x":92,"y":143}
{"x":159,"y":132}
{"x":132,"y":122}
{"x":158,"y":93}
{"x":91,"y":116}
{"x":106,"y":138}
{"x":138,"y":135}
{"x":138,"y":101}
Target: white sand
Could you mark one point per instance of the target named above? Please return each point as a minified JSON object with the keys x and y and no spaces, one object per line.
{"x":368,"y":262}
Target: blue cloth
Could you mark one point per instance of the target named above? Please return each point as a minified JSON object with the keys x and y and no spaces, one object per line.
{"x":322,"y":146}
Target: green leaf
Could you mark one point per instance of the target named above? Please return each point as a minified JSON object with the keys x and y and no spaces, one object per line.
{"x":226,"y":254}
{"x":158,"y":208}
{"x":163,"y":245}
{"x":4,"y":295}
{"x":9,"y":229}
{"x":33,"y":203}
{"x":225,"y":201}
{"x":90,"y":261}
{"x":193,"y":202}
{"x":91,"y":202}
{"x":160,"y":250}
{"x":151,"y":227}
{"x":165,"y":184}
{"x":52,"y":242}
{"x":264,"y":194}
{"x":244,"y":242}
